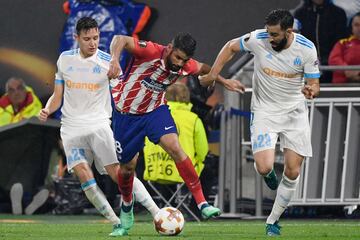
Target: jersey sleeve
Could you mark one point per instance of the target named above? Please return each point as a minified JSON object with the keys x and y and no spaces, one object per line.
{"x":192,"y":67}
{"x":145,"y":49}
{"x":311,"y":65}
{"x":249,"y":41}
{"x":59,"y":79}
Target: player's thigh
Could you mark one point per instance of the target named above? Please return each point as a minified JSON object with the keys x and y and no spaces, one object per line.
{"x":103,"y":146}
{"x":161,"y":129}
{"x":264,"y":134}
{"x":296,"y":134}
{"x":160,"y":123}
{"x":170,"y":143}
{"x":76,"y":147}
{"x":129,"y":136}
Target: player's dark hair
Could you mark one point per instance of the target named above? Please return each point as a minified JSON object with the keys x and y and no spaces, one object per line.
{"x":85,"y":24}
{"x":185,"y":42}
{"x":280,"y":16}
{"x":356,"y":15}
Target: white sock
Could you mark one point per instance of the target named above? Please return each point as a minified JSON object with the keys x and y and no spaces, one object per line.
{"x":98,"y":199}
{"x":285,"y":193}
{"x":143,"y":197}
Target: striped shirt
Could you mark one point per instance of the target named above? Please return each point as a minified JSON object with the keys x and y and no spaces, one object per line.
{"x":142,"y":89}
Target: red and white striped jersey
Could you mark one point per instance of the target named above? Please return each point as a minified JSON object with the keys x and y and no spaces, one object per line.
{"x":142,"y":88}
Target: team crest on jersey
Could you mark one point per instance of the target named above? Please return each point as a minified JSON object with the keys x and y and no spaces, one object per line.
{"x":142,"y":44}
{"x":297,"y":61}
{"x":97,"y":69}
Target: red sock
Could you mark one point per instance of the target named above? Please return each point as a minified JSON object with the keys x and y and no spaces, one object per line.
{"x":126,"y":187}
{"x":191,"y":179}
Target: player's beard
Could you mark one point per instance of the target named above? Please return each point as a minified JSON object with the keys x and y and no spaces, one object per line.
{"x":281,"y":45}
{"x":170,"y":65}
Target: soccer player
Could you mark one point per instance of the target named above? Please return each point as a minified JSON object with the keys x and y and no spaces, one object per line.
{"x":82,"y":82}
{"x":283,"y":60}
{"x":141,"y":109}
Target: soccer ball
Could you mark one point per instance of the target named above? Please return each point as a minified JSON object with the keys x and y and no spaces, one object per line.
{"x":169,"y":221}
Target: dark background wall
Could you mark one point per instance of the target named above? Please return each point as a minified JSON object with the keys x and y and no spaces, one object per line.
{"x":211,"y":22}
{"x":30,"y":31}
{"x":29,"y":37}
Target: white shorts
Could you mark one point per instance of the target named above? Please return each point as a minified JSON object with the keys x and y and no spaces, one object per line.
{"x":93,"y":144}
{"x":292,"y":128}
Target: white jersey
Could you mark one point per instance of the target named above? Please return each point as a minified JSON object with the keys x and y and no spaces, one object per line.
{"x":87,"y":98}
{"x":279,"y":76}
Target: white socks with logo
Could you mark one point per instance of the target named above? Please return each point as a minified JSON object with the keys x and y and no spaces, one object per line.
{"x":285,"y":193}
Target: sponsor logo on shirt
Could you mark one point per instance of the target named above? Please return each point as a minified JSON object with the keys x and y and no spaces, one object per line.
{"x":274,"y":73}
{"x":82,"y":85}
{"x":153,"y":85}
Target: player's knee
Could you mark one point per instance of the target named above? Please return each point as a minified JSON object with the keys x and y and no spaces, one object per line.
{"x":263,"y":169}
{"x":126,"y":170}
{"x":175,"y":151}
{"x":292,"y":173}
{"x":126,"y":173}
{"x":113,"y":170}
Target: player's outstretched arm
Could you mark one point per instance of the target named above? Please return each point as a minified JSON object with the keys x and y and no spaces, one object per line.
{"x":118,"y":44}
{"x":226,"y":53}
{"x":209,"y":75}
{"x":53,"y":103}
{"x":311,"y":88}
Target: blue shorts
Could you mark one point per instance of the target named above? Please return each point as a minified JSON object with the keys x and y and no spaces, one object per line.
{"x":130,"y":130}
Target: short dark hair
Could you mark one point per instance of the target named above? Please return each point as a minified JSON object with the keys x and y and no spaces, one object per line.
{"x":19,"y":79}
{"x":85,"y":23}
{"x":185,"y":42}
{"x":356,"y":15}
{"x":280,"y":16}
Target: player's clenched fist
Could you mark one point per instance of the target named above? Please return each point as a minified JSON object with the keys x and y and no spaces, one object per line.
{"x":308,"y":92}
{"x":43,"y":115}
{"x":114,"y":69}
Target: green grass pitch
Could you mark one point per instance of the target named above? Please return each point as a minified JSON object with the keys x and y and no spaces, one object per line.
{"x":43,"y":227}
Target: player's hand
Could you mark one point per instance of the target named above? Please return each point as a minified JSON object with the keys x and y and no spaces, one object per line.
{"x":234,"y":85}
{"x":43,"y":115}
{"x":308,"y":92}
{"x":206,"y":80}
{"x":114,"y":69}
{"x":352,"y":75}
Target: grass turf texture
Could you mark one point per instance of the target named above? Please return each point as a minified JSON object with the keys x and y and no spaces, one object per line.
{"x":93,"y":227}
